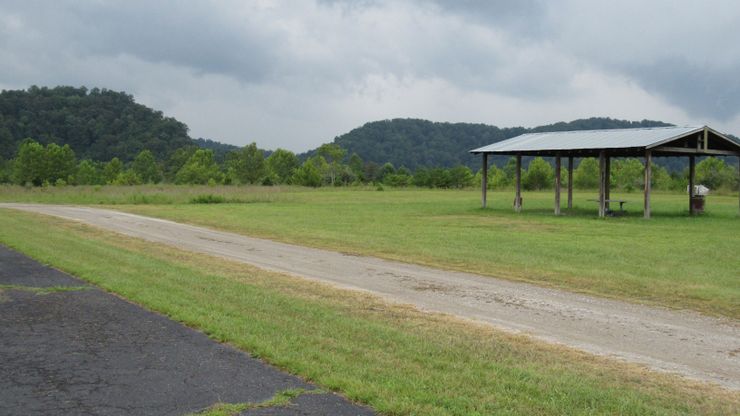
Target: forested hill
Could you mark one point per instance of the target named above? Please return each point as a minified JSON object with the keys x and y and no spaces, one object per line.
{"x":414,"y":143}
{"x":97,"y":124}
{"x":219,"y":149}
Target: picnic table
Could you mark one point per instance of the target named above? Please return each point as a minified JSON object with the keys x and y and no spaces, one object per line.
{"x":609,"y":201}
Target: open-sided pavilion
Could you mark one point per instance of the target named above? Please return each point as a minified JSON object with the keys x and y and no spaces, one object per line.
{"x":605,"y":144}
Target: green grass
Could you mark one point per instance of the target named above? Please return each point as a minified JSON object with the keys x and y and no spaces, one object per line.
{"x":44,"y":290}
{"x":671,"y":260}
{"x":281,"y":399}
{"x":394,"y":358}
{"x":141,"y":195}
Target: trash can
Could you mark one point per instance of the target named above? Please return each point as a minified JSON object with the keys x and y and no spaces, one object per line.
{"x":698,"y":198}
{"x":697,"y":203}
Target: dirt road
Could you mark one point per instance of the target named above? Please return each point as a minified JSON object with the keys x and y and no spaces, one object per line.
{"x":682,"y":342}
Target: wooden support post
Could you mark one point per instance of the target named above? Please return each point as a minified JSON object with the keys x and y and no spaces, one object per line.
{"x":518,"y":196}
{"x":608,"y":182}
{"x":738,"y":182}
{"x":602,"y":183}
{"x":706,"y":138}
{"x":692,"y":178}
{"x":570,"y":182}
{"x":557,"y":185}
{"x":648,"y":180}
{"x":484,"y":179}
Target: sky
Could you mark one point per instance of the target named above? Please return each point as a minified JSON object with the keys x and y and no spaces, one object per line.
{"x":294,"y":74}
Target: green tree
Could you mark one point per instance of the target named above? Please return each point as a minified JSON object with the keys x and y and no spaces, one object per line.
{"x":331,"y":152}
{"x":309,"y":174}
{"x":510,"y":168}
{"x":714,"y":173}
{"x":539,"y":174}
{"x":176,"y":161}
{"x":385,"y":170}
{"x":128,"y":177}
{"x":30,"y":164}
{"x":346,"y":176}
{"x":201,"y":169}
{"x":460,"y":177}
{"x":146,"y":167}
{"x":333,"y":155}
{"x":497,"y":178}
{"x":586,"y":175}
{"x":61,"y":163}
{"x":661,"y":179}
{"x":371,"y":171}
{"x":246,"y":165}
{"x":401,"y":177}
{"x":88,"y":173}
{"x":439,"y":178}
{"x":422,"y":178}
{"x":112,"y":169}
{"x":357,"y":166}
{"x":5,"y":171}
{"x":627,"y":174}
{"x":283,"y":164}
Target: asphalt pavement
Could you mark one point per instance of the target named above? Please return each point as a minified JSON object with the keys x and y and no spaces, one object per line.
{"x":69,"y":348}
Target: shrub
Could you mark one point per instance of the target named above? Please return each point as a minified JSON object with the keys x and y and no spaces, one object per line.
{"x":539,"y":174}
{"x":586,"y":175}
{"x":208,"y":199}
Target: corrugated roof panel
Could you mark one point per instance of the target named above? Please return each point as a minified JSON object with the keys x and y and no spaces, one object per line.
{"x":588,"y":139}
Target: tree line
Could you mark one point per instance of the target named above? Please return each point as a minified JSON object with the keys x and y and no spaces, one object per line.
{"x":54,"y":165}
{"x":627,"y":174}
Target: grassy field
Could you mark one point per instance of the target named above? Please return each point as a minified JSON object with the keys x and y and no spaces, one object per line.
{"x":672,"y":260}
{"x":394,"y":358}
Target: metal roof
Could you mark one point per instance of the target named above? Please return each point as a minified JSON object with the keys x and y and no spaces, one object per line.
{"x":590,"y":139}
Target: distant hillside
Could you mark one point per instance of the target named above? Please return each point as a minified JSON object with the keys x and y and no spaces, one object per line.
{"x":414,"y":143}
{"x":219,"y":149}
{"x":97,"y":124}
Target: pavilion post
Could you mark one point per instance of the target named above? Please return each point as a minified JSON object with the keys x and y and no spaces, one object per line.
{"x":692,"y":179}
{"x":570,"y":182}
{"x":607,"y":182}
{"x":648,"y":180}
{"x":484,"y":179}
{"x":602,"y":184}
{"x":518,"y":196}
{"x":557,"y":185}
{"x":738,"y":182}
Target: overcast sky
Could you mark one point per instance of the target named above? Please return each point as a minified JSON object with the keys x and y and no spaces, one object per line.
{"x":295,"y":74}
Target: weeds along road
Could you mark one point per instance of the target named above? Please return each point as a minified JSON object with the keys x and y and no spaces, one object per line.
{"x":686,"y":343}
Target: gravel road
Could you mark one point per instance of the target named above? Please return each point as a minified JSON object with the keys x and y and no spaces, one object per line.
{"x":685,"y":343}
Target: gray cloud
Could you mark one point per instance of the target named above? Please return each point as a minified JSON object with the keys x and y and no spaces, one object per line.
{"x":701,"y":89}
{"x":195,"y":35}
{"x":524,"y":17}
{"x":686,"y":52}
{"x":321,"y":67}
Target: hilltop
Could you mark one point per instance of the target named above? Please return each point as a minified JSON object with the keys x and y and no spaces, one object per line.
{"x":97,"y":124}
{"x":414,"y":143}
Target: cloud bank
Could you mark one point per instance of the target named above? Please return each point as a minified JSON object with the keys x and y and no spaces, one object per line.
{"x":294,"y":74}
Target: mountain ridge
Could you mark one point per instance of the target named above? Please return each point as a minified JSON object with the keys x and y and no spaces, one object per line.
{"x":414,"y":143}
{"x":100,"y":124}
